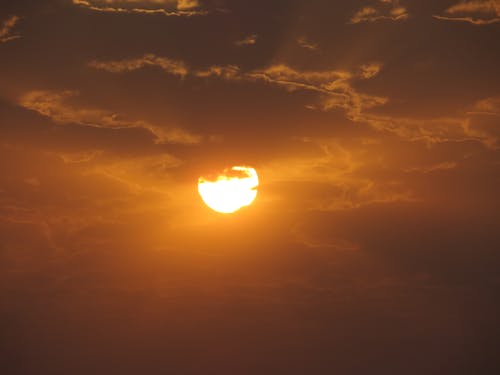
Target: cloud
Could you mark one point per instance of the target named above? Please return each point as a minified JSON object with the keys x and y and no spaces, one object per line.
{"x":228,"y":72}
{"x":137,"y":174}
{"x":335,"y":177}
{"x":14,"y":218}
{"x":187,"y":4}
{"x":488,"y":106}
{"x":382,"y":10}
{"x":250,"y":40}
{"x":335,"y":90}
{"x":55,"y":106}
{"x":438,"y":130}
{"x":170,"y":7}
{"x":312,"y":240}
{"x":80,"y":157}
{"x":476,"y":12}
{"x":6,"y":29}
{"x":324,"y":82}
{"x":444,"y":166}
{"x":368,"y":71}
{"x":52,"y":204}
{"x":333,"y":86}
{"x":430,"y":131}
{"x":307,"y":44}
{"x":170,"y":66}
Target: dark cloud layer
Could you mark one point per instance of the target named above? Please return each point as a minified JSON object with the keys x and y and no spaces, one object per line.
{"x":372,"y":247}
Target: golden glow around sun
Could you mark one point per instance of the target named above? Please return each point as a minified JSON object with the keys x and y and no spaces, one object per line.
{"x":231,"y":190}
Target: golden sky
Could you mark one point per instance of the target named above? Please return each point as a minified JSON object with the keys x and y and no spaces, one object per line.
{"x":373,"y":245}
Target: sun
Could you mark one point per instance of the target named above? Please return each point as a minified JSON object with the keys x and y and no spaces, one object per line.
{"x":227,"y":192}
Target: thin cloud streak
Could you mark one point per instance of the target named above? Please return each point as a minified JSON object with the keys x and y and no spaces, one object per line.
{"x":174,"y":67}
{"x":6,"y":29}
{"x":384,"y":10}
{"x":250,"y":40}
{"x":476,"y":12}
{"x":307,"y":44}
{"x":54,"y":105}
{"x":183,"y":9}
{"x":444,"y":166}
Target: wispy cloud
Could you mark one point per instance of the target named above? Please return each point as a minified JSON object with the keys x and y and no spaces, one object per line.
{"x":187,"y":4}
{"x":444,"y":166}
{"x":368,"y":71}
{"x":138,"y":174}
{"x":249,"y":40}
{"x":431,"y":131}
{"x":488,"y":106}
{"x":382,"y":10}
{"x":336,"y":172}
{"x":6,"y":29}
{"x":307,"y":44}
{"x":170,"y":7}
{"x":170,"y":66}
{"x":336,"y":90}
{"x":334,"y":86}
{"x":55,"y":106}
{"x":477,"y":12}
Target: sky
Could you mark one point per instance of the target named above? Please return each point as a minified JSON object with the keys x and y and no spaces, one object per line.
{"x":373,"y":246}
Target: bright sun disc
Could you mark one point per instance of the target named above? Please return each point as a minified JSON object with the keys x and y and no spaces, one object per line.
{"x":231,"y":190}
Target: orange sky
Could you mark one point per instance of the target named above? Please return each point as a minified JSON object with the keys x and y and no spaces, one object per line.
{"x":373,"y":245}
